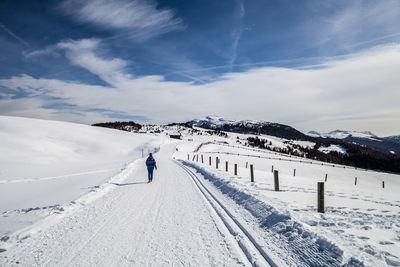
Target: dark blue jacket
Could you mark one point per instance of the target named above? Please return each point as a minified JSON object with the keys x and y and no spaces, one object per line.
{"x":151,"y":162}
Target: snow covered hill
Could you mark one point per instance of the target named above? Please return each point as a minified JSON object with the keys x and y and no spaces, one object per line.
{"x":361,"y":221}
{"x":44,"y":165}
{"x":71,"y":194}
{"x":368,"y":139}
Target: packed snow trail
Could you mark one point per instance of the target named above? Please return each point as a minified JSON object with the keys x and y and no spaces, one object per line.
{"x":253,"y":251}
{"x":166,"y":222}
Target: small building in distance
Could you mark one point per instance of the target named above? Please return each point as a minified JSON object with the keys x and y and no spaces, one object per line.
{"x":175,"y":135}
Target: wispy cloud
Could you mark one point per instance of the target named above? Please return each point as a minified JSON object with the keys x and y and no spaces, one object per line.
{"x":138,"y":18}
{"x":48,"y":51}
{"x":83,"y":53}
{"x":237,"y":32}
{"x":16,"y":37}
{"x":358,"y":23}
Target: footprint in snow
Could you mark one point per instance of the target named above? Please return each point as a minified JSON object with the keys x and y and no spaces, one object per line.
{"x":385,"y":243}
{"x":366,"y":227}
{"x":312,"y":223}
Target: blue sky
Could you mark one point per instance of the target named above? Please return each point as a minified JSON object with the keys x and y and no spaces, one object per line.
{"x":316,"y":65}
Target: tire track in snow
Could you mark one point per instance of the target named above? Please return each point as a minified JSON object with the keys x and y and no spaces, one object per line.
{"x":245,"y":242}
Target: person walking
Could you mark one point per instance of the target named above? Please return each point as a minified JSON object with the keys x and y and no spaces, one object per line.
{"x":151,"y":164}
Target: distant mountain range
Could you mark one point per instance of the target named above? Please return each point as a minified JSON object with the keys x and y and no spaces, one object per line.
{"x":249,"y":127}
{"x":340,"y":134}
{"x":388,"y":145}
{"x":359,"y":149}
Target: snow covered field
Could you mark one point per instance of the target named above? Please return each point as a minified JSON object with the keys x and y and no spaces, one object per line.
{"x":362,"y":220}
{"x":70,"y":194}
{"x":44,"y":165}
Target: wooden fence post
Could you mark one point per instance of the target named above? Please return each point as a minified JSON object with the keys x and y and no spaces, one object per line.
{"x":246,"y":164}
{"x":383,"y":184}
{"x":355,"y":181}
{"x":276,"y":180}
{"x":197,"y":157}
{"x":226,"y":166}
{"x":326,"y":177}
{"x":194,"y":156}
{"x":272,"y":169}
{"x":294,"y":172}
{"x":235,"y":169}
{"x":188,"y":156}
{"x":202,"y":160}
{"x":209,"y":159}
{"x":251,"y":173}
{"x":321,"y":200}
{"x":216,"y":162}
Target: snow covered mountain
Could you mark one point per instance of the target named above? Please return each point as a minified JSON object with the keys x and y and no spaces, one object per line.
{"x":389,"y":145}
{"x":366,"y":138}
{"x":341,"y":134}
{"x":211,"y":121}
{"x":249,"y":127}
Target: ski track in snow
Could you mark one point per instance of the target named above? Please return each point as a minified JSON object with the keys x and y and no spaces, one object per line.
{"x":163,"y":223}
{"x":286,"y":240}
{"x":245,"y":241}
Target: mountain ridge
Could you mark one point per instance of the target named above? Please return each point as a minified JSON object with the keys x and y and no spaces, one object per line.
{"x":389,"y":145}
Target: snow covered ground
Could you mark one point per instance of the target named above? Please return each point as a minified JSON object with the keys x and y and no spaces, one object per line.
{"x":71,"y":194}
{"x":362,"y":220}
{"x":44,"y":165}
{"x":335,"y":148}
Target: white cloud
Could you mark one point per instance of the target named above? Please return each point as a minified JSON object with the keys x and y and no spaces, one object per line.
{"x":360,"y":88}
{"x":141,"y":18}
{"x":82,"y":53}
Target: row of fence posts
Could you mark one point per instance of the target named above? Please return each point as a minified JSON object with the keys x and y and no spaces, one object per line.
{"x":320,"y":185}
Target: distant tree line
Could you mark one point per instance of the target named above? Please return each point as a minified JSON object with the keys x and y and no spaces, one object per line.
{"x":209,"y":132}
{"x":129,"y":126}
{"x":356,"y":155}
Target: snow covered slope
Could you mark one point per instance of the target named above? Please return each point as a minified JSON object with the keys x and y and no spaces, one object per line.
{"x":71,"y":194}
{"x":45,"y":165}
{"x":361,"y":219}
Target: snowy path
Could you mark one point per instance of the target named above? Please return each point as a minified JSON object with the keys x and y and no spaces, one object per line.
{"x":172,"y":221}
